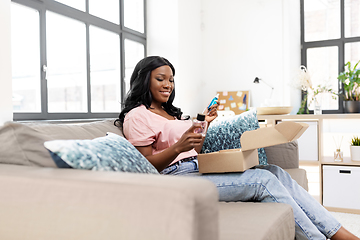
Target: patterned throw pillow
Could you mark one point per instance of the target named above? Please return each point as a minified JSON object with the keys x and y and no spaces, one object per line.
{"x":226,"y":134}
{"x":109,"y":153}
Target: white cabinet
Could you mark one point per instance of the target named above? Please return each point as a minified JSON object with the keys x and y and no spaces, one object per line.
{"x":308,"y":143}
{"x":341,"y":187}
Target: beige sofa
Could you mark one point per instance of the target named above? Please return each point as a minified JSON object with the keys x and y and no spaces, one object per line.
{"x":39,"y":201}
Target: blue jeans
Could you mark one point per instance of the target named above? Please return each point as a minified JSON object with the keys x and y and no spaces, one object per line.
{"x":269,"y":183}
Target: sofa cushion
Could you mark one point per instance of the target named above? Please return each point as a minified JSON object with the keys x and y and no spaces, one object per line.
{"x":109,"y":153}
{"x":256,"y":221}
{"x":285,"y":155}
{"x":77,"y":131}
{"x":67,"y":204}
{"x":23,"y":144}
{"x":226,"y":134}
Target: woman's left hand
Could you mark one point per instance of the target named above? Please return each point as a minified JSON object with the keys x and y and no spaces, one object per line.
{"x":211,"y":114}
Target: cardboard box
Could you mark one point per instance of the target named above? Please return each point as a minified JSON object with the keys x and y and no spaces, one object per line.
{"x":239,"y":160}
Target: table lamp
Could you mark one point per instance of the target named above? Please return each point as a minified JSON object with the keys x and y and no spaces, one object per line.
{"x":267,"y":101}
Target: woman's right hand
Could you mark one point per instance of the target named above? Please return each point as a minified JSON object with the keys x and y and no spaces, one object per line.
{"x":160,"y":161}
{"x":189,"y":140}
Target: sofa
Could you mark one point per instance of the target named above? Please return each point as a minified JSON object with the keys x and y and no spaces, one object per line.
{"x":41,"y":201}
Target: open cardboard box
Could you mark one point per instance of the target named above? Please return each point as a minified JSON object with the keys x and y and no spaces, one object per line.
{"x":239,"y":160}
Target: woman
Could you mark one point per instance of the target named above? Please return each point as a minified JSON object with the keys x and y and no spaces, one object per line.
{"x":156,"y":128}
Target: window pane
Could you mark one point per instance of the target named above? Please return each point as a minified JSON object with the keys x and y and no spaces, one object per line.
{"x":322,"y":19}
{"x":66,"y":58}
{"x":105,"y":70}
{"x":352,"y":18}
{"x":105,"y":9}
{"x":322,"y":64}
{"x":134,"y":52}
{"x":134,"y":15}
{"x":25,"y":48}
{"x":78,"y":4}
{"x":352,"y":53}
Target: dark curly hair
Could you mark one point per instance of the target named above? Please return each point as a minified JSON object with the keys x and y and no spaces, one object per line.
{"x":139,"y":93}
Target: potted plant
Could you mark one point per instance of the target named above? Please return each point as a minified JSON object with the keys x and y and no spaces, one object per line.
{"x":351,"y":88}
{"x":355,"y":149}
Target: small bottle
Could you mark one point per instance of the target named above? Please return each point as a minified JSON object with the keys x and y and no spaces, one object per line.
{"x":201,"y":123}
{"x":213,"y":101}
{"x":338,"y":155}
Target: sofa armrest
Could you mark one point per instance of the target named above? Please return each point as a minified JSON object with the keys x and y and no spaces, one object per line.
{"x":284,"y":155}
{"x":300,"y":176}
{"x":50,"y":203}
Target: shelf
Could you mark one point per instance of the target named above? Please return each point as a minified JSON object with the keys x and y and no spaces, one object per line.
{"x":346,"y":162}
{"x":309,"y":163}
{"x":311,"y":116}
{"x":324,"y":127}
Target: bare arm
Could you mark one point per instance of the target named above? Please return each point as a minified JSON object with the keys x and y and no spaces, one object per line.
{"x":188,"y":141}
{"x":160,"y":161}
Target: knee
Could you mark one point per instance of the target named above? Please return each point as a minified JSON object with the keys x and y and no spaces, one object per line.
{"x":266,"y":176}
{"x":277,"y":171}
{"x":273,"y":166}
{"x":274,"y":169}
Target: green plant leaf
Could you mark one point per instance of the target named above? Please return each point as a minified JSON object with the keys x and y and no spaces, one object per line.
{"x":349,"y":77}
{"x":355,"y":141}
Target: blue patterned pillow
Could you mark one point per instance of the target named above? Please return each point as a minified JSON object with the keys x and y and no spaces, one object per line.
{"x":109,"y":153}
{"x":226,"y":134}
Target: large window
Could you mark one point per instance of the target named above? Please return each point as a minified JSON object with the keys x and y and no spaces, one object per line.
{"x":72,"y":59}
{"x":330,"y":37}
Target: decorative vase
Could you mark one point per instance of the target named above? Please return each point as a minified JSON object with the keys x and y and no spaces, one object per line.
{"x":355,"y":153}
{"x":338,"y":156}
{"x":352,"y":106}
{"x":317,"y":104}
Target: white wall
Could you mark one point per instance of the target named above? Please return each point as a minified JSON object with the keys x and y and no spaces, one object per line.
{"x":214,"y":45}
{"x":223,"y":46}
{"x":174,"y":32}
{"x":162,"y":29}
{"x":247,"y":39}
{"x":291,"y":53}
{"x":5,"y":63}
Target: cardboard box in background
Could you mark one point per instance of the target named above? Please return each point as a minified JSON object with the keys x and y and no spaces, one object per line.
{"x":239,"y":160}
{"x":236,"y":101}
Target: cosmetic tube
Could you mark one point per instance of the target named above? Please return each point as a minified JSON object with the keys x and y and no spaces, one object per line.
{"x":213,"y":101}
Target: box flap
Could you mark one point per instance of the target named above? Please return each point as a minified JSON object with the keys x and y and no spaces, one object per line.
{"x":231,"y":150}
{"x":291,"y":130}
{"x":269,"y":136}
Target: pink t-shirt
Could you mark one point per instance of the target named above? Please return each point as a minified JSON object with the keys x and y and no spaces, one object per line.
{"x":142,"y":128}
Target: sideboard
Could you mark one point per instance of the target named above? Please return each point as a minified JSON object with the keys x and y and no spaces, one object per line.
{"x":339,"y":182}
